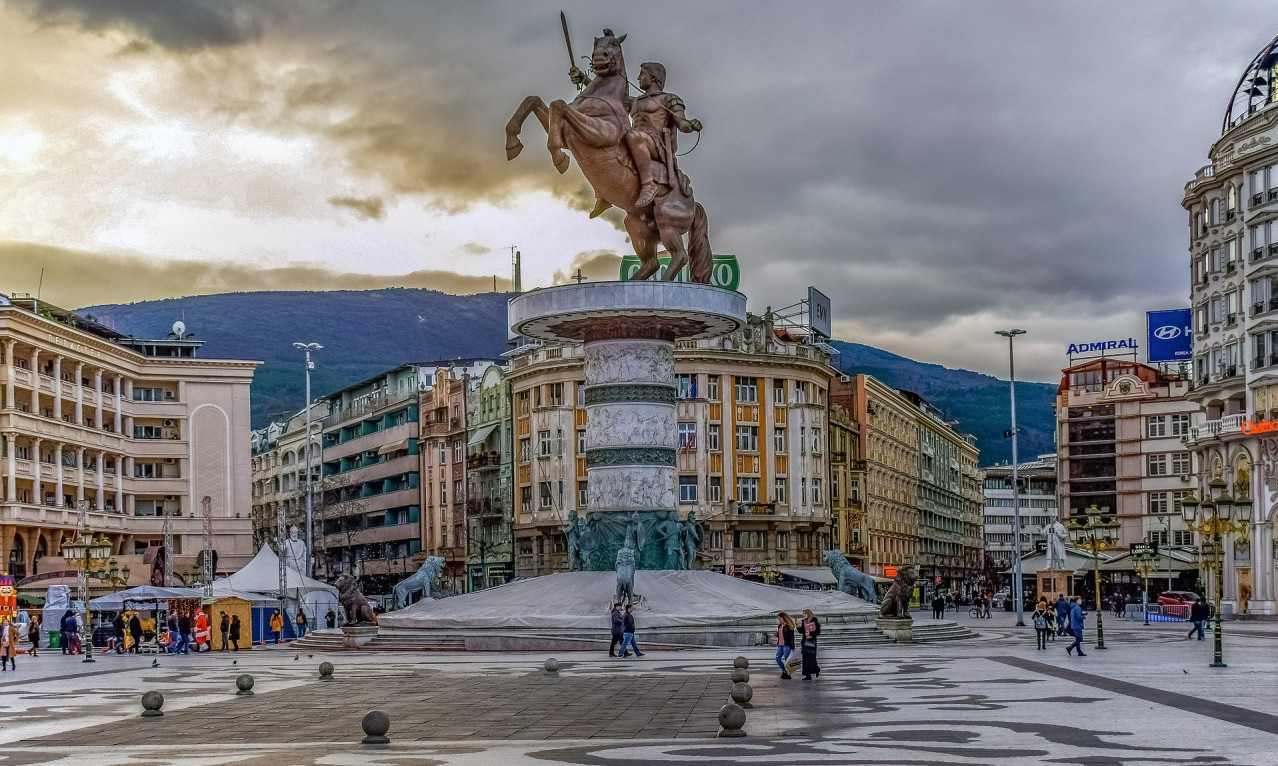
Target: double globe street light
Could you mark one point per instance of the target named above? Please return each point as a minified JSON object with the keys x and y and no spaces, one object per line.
{"x":1095,"y":531}
{"x":86,"y":554}
{"x":1145,"y":561}
{"x":1213,"y":518}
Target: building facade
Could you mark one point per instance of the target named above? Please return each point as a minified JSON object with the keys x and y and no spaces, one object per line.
{"x":848,"y":530}
{"x":137,"y":431}
{"x":1121,"y":431}
{"x":751,"y":462}
{"x":1232,"y":206}
{"x":1038,"y":508}
{"x":278,"y":466}
{"x":490,"y":480}
{"x":443,"y":457}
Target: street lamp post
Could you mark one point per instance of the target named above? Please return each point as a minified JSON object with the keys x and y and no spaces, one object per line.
{"x":1145,"y":560}
{"x":1018,"y":588}
{"x":308,"y":348}
{"x":84,"y":554}
{"x":1093,"y":531}
{"x":1213,"y":517}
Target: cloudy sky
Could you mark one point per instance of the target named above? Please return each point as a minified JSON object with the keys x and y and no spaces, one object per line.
{"x":941,"y":170}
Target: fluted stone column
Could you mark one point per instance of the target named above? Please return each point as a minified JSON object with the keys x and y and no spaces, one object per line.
{"x":101,"y":499}
{"x":119,"y":483}
{"x":9,"y":401}
{"x":79,"y":394}
{"x":57,"y":391}
{"x":36,"y":464}
{"x":79,"y":485}
{"x":35,"y":381}
{"x":11,"y":476}
{"x":119,"y":424}
{"x":97,"y":399}
{"x":57,"y":467}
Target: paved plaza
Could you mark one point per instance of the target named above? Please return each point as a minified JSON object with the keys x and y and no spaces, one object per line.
{"x":1150,"y":699}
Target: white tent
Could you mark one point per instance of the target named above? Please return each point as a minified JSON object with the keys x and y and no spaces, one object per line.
{"x":262,"y":575}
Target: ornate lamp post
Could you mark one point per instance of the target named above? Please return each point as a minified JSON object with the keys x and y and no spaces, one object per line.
{"x":1145,"y":560}
{"x":1212,"y":518}
{"x":1094,"y":531}
{"x":85,"y":554}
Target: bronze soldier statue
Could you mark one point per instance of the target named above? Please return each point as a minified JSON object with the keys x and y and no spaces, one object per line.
{"x":654,"y":117}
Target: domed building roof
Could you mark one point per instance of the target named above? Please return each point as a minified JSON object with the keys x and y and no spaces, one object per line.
{"x":1255,"y":89}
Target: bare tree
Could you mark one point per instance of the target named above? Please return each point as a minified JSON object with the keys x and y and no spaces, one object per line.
{"x":337,"y":503}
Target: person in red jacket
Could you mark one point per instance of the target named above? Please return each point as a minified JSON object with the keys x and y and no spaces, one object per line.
{"x":201,"y":631}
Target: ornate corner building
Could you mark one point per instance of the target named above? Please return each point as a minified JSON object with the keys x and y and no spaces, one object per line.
{"x":1233,"y":243}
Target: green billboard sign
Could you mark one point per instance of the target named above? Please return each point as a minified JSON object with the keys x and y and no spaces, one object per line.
{"x":726,"y":273}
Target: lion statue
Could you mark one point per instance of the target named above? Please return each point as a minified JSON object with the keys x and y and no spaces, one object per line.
{"x":625,"y":576}
{"x":897,"y":601}
{"x":852,"y":581}
{"x":422,"y":580}
{"x":353,"y":600}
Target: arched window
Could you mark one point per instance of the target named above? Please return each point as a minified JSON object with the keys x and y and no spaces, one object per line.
{"x":17,"y":558}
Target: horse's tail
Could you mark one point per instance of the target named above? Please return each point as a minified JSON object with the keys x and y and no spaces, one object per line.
{"x":700,"y":258}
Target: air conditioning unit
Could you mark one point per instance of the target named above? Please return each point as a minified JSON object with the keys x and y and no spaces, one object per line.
{"x":170,"y":460}
{"x":845,"y":378}
{"x":168,"y":395}
{"x":1184,"y":477}
{"x":170,"y":497}
{"x":168,"y":423}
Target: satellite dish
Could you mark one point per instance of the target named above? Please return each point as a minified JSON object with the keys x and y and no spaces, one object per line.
{"x":179,"y":329}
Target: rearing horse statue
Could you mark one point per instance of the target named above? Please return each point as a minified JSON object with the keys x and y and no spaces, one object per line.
{"x":593,"y":129}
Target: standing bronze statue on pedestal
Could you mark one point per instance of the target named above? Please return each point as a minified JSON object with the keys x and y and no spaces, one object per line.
{"x":626,"y":149}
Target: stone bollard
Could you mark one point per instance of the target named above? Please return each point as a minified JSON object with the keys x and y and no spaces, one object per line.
{"x":244,"y":682}
{"x":731,"y":718}
{"x":741,"y":694}
{"x":375,"y":725}
{"x":741,"y":662}
{"x":740,"y":676}
{"x":326,"y":671}
{"x":152,"y":701}
{"x":552,"y":666}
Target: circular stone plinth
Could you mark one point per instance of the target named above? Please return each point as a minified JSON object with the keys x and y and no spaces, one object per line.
{"x":604,"y":310}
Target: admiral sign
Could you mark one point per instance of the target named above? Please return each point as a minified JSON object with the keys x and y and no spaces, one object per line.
{"x":1125,"y":345}
{"x":1169,"y":335}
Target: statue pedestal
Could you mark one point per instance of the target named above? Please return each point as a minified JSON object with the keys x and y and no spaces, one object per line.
{"x":355,"y":636}
{"x":628,"y":332}
{"x":1052,"y":582}
{"x":899,"y":629}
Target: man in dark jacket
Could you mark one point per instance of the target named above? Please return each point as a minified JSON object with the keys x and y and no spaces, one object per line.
{"x":617,"y":624}
{"x":628,"y":633}
{"x":1062,"y":615}
{"x":1076,"y":618}
{"x":68,"y":630}
{"x":938,"y":605}
{"x":135,"y":632}
{"x":1198,"y":614}
{"x":184,"y":628}
{"x":224,"y":627}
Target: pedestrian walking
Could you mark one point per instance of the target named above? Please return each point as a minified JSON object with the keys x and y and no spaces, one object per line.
{"x":1040,"y":623}
{"x":785,"y":643}
{"x":1062,"y":615}
{"x":1076,"y":617}
{"x":277,"y":625}
{"x":989,"y":603}
{"x":33,"y":635}
{"x":135,"y":633}
{"x":235,"y":633}
{"x":8,"y":645}
{"x":1198,"y":613}
{"x":117,"y":632}
{"x":224,"y":628}
{"x":175,"y":638}
{"x":203,"y":636}
{"x":330,"y":619}
{"x":811,"y":628}
{"x":617,"y":630}
{"x":301,"y":623}
{"x":67,"y":627}
{"x":938,"y":606}
{"x":184,"y":630}
{"x":628,"y":633}
{"x":1051,"y":622}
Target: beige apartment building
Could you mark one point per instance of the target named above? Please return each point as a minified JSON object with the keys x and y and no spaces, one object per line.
{"x":443,"y":458}
{"x":136,"y":430}
{"x":279,"y":474}
{"x":751,"y":410}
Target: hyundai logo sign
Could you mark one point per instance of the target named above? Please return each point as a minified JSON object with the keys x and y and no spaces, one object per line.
{"x":1169,"y":335}
{"x":1167,"y":332}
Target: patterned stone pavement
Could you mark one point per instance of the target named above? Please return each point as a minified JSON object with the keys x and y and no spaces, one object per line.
{"x":1147,"y":701}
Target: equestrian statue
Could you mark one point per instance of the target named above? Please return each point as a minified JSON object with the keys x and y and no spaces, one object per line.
{"x":626,"y":147}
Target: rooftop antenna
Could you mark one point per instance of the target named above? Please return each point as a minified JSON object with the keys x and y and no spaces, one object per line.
{"x":39,"y":289}
{"x":518,"y":285}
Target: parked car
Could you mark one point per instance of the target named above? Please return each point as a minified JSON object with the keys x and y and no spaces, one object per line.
{"x":1177,"y":597}
{"x":999,"y":600}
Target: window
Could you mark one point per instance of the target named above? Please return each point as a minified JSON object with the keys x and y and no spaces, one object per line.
{"x":747,"y":390}
{"x":525,"y":449}
{"x":458,"y":451}
{"x":583,"y":496}
{"x":1157,"y":465}
{"x":686,"y":386}
{"x":144,"y":471}
{"x":139,"y":432}
{"x":687,"y":489}
{"x":747,"y":438}
{"x":525,"y":499}
{"x":712,"y":387}
{"x":581,"y":393}
{"x":754,"y":540}
{"x":581,"y":442}
{"x":556,"y":394}
{"x":800,"y":392}
{"x":1182,"y":537}
{"x":457,"y":491}
{"x":561,"y":493}
{"x":712,"y":437}
{"x":714,"y":489}
{"x":543,"y":443}
{"x":687,"y":437}
{"x":816,"y":441}
{"x":536,"y":396}
{"x":803,"y":440}
{"x":1180,"y":463}
{"x":559,"y":442}
{"x":1157,"y":536}
{"x":547,"y":499}
{"x":443,"y":452}
{"x":778,"y":391}
{"x":443,"y":494}
{"x":1159,"y":503}
{"x":1180,"y":425}
{"x":1155,"y":426}
{"x":783,"y":540}
{"x":778,"y":440}
{"x":779,"y":490}
{"x":818,"y":496}
{"x":747,"y":489}
{"x":803,"y":491}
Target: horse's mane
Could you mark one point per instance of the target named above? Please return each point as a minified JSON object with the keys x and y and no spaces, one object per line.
{"x":611,"y":87}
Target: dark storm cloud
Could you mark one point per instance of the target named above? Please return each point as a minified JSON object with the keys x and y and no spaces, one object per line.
{"x":369,"y":208}
{"x":175,"y":24}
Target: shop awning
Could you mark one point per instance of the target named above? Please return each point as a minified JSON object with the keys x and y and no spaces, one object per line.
{"x":396,"y":447}
{"x":818,"y":575}
{"x":481,"y":435}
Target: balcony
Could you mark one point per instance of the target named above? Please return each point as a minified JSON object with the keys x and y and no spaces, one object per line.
{"x":483,"y":460}
{"x":484,"y":508}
